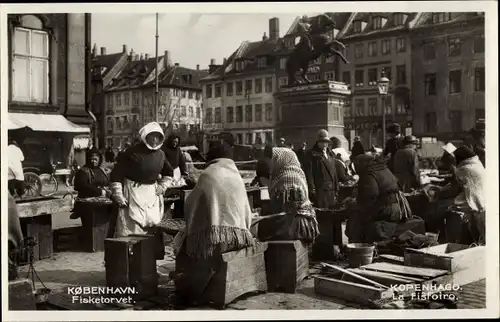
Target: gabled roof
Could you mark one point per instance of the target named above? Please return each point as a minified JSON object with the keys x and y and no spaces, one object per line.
{"x":107,"y":61}
{"x":250,"y":52}
{"x":425,"y":19}
{"x":181,"y":77}
{"x":133,"y":74}
{"x":390,"y":24}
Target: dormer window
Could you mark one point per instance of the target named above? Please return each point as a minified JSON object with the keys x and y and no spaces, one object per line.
{"x":357,"y":26}
{"x":262,"y":62}
{"x":399,"y":19}
{"x":438,"y":17}
{"x":377,"y":23}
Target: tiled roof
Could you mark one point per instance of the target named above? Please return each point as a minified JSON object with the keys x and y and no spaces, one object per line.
{"x":390,"y":25}
{"x":133,"y":74}
{"x":177,"y":76}
{"x":107,"y":61}
{"x":425,"y":19}
{"x":250,"y":52}
{"x":340,"y":18}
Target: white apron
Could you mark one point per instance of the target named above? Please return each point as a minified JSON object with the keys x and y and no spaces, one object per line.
{"x":145,"y":209}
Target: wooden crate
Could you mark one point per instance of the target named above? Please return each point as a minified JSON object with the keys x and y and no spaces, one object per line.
{"x":240,"y":272}
{"x":450,"y":257}
{"x":21,"y":296}
{"x":287,"y":264}
{"x":40,"y":228}
{"x":97,"y":224}
{"x":359,"y":292}
{"x":131,"y":261}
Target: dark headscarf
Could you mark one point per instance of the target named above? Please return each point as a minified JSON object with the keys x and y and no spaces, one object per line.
{"x":463,"y":153}
{"x":357,"y":149}
{"x":170,"y":139}
{"x":368,"y":163}
{"x":219,"y":149}
{"x":93,"y":151}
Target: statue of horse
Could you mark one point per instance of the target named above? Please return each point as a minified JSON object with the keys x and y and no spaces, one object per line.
{"x":322,"y":45}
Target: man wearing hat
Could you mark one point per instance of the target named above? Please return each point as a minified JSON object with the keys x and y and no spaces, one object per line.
{"x":393,"y":144}
{"x":478,"y":135}
{"x":320,"y":172}
{"x":406,"y":165}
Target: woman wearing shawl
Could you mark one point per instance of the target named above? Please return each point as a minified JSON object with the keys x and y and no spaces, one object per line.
{"x":379,"y":201}
{"x":289,"y":194}
{"x":218,"y":219}
{"x":135,"y":186}
{"x":91,"y":180}
{"x":357,"y":149}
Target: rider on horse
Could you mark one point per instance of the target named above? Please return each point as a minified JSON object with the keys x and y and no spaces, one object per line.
{"x":319,"y":25}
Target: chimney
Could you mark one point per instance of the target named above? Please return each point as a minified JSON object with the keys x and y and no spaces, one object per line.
{"x":136,"y":57}
{"x":94,"y":50}
{"x":103,"y":51}
{"x":146,"y":56}
{"x":224,"y":60}
{"x":176,"y":64}
{"x":212,"y":61}
{"x":132,"y":54}
{"x":141,"y":57}
{"x":198,"y":67}
{"x":166,"y":58}
{"x":264,"y":37}
{"x":124,"y":49}
{"x":274,"y":28}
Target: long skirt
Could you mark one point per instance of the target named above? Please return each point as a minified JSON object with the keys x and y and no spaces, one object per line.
{"x":288,"y":227}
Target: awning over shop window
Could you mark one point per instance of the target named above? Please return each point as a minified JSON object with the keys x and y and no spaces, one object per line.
{"x":44,"y":123}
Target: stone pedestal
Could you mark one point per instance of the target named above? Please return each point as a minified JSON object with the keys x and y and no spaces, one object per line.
{"x":308,"y":108}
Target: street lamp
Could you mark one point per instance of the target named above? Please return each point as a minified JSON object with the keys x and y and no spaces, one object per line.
{"x":383,"y":88}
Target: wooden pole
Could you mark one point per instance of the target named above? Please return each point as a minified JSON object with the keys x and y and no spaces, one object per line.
{"x":156,"y":74}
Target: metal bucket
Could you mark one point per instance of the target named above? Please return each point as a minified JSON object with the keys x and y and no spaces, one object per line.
{"x":41,"y":295}
{"x":359,"y":254}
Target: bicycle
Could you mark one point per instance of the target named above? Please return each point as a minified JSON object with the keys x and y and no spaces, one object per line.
{"x":50,"y":181}
{"x":32,"y":185}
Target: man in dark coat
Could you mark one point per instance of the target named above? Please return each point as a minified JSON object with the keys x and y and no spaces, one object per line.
{"x":406,"y":165}
{"x":302,"y":154}
{"x":320,"y":173}
{"x":478,"y":135}
{"x":393,"y":144}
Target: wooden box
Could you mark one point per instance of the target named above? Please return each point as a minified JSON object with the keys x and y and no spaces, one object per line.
{"x":131,"y":261}
{"x":240,"y":272}
{"x":96,"y":224}
{"x":40,"y":228}
{"x":21,"y":296}
{"x":465,"y":264}
{"x":337,"y":286}
{"x":287,"y":264}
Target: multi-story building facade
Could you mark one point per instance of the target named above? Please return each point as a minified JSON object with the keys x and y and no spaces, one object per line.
{"x":377,"y":41}
{"x":448,"y":70}
{"x":126,"y":99}
{"x":238,"y":95}
{"x":47,"y":57}
{"x":105,"y":67}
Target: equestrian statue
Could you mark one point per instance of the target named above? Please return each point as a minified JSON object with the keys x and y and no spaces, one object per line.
{"x":315,"y":41}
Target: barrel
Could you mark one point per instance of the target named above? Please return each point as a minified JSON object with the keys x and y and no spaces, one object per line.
{"x":359,"y":254}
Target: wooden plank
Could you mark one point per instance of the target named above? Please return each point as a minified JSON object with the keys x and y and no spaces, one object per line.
{"x":405,"y":270}
{"x":456,"y":260}
{"x":391,"y":258}
{"x":384,"y":278}
{"x":345,"y":271}
{"x":359,"y":293}
{"x":38,"y":207}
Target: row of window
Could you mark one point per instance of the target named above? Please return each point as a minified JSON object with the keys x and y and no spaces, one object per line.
{"x":455,"y":46}
{"x":122,"y":122}
{"x":117,"y":142}
{"x":374,"y":108}
{"x":254,"y":138}
{"x":182,"y":111}
{"x":455,"y":118}
{"x":252,"y":113}
{"x":385,"y":47}
{"x":123,"y":98}
{"x":454,"y":81}
{"x":373,"y":76}
{"x":251,"y":86}
{"x":379,"y":22}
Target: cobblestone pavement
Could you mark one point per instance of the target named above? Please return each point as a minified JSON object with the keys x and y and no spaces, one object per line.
{"x":87,"y":269}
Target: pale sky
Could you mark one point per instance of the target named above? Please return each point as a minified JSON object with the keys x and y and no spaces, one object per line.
{"x":191,"y":39}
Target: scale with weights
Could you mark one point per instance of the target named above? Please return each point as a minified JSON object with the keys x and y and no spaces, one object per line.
{"x":42,"y":294}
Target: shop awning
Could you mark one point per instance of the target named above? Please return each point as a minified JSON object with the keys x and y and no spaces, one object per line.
{"x":44,"y":123}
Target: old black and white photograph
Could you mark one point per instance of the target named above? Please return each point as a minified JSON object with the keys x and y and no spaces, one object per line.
{"x":213,"y":160}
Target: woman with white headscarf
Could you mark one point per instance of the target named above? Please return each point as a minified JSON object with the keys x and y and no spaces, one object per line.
{"x":138,"y":182}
